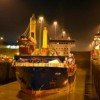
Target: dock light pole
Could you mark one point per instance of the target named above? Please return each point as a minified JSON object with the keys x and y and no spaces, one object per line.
{"x":1,"y":38}
{"x":55,"y":25}
{"x":63,"y":33}
{"x":41,"y":18}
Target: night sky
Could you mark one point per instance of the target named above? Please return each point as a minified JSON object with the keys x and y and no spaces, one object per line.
{"x":79,"y":17}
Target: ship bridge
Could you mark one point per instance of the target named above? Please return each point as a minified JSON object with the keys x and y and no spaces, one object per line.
{"x":62,"y":45}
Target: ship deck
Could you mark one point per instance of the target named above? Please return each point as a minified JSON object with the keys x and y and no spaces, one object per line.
{"x":27,"y":64}
{"x":74,"y":92}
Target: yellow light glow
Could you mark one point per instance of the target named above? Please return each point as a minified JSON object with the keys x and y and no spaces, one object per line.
{"x":1,"y":38}
{"x":17,"y":53}
{"x":97,"y":47}
{"x":41,"y":18}
{"x":99,"y":39}
{"x":55,"y":23}
{"x":65,"y":82}
{"x":92,"y":43}
{"x":69,"y":38}
{"x":63,"y":32}
{"x":95,"y":38}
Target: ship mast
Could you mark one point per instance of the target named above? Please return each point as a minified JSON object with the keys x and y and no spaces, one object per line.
{"x":32,"y":30}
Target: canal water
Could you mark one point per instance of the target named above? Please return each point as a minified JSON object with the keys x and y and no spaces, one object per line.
{"x":81,"y":89}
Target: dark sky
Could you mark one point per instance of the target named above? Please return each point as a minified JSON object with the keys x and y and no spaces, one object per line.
{"x":80,"y":17}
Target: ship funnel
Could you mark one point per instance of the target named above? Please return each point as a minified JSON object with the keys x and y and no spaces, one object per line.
{"x":45,"y":39}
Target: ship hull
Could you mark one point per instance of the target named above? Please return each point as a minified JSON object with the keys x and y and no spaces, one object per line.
{"x":33,"y":79}
{"x":47,"y":80}
{"x":41,"y":78}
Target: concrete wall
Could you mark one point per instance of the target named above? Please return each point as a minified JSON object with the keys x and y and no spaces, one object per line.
{"x":7,"y":73}
{"x":96,"y":77}
{"x":82,"y":59}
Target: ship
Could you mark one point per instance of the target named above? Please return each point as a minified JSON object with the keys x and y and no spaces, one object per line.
{"x":96,"y":47}
{"x":44,"y":70}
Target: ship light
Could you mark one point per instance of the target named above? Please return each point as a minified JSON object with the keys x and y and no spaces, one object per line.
{"x":17,"y":53}
{"x":92,"y":43}
{"x":99,"y":39}
{"x":65,"y":82}
{"x":12,"y":47}
{"x":57,"y":73}
{"x":95,"y":38}
{"x":54,"y":61}
{"x":8,"y":46}
{"x":97,"y":47}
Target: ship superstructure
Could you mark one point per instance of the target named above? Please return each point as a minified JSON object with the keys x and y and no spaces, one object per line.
{"x":27,"y":41}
